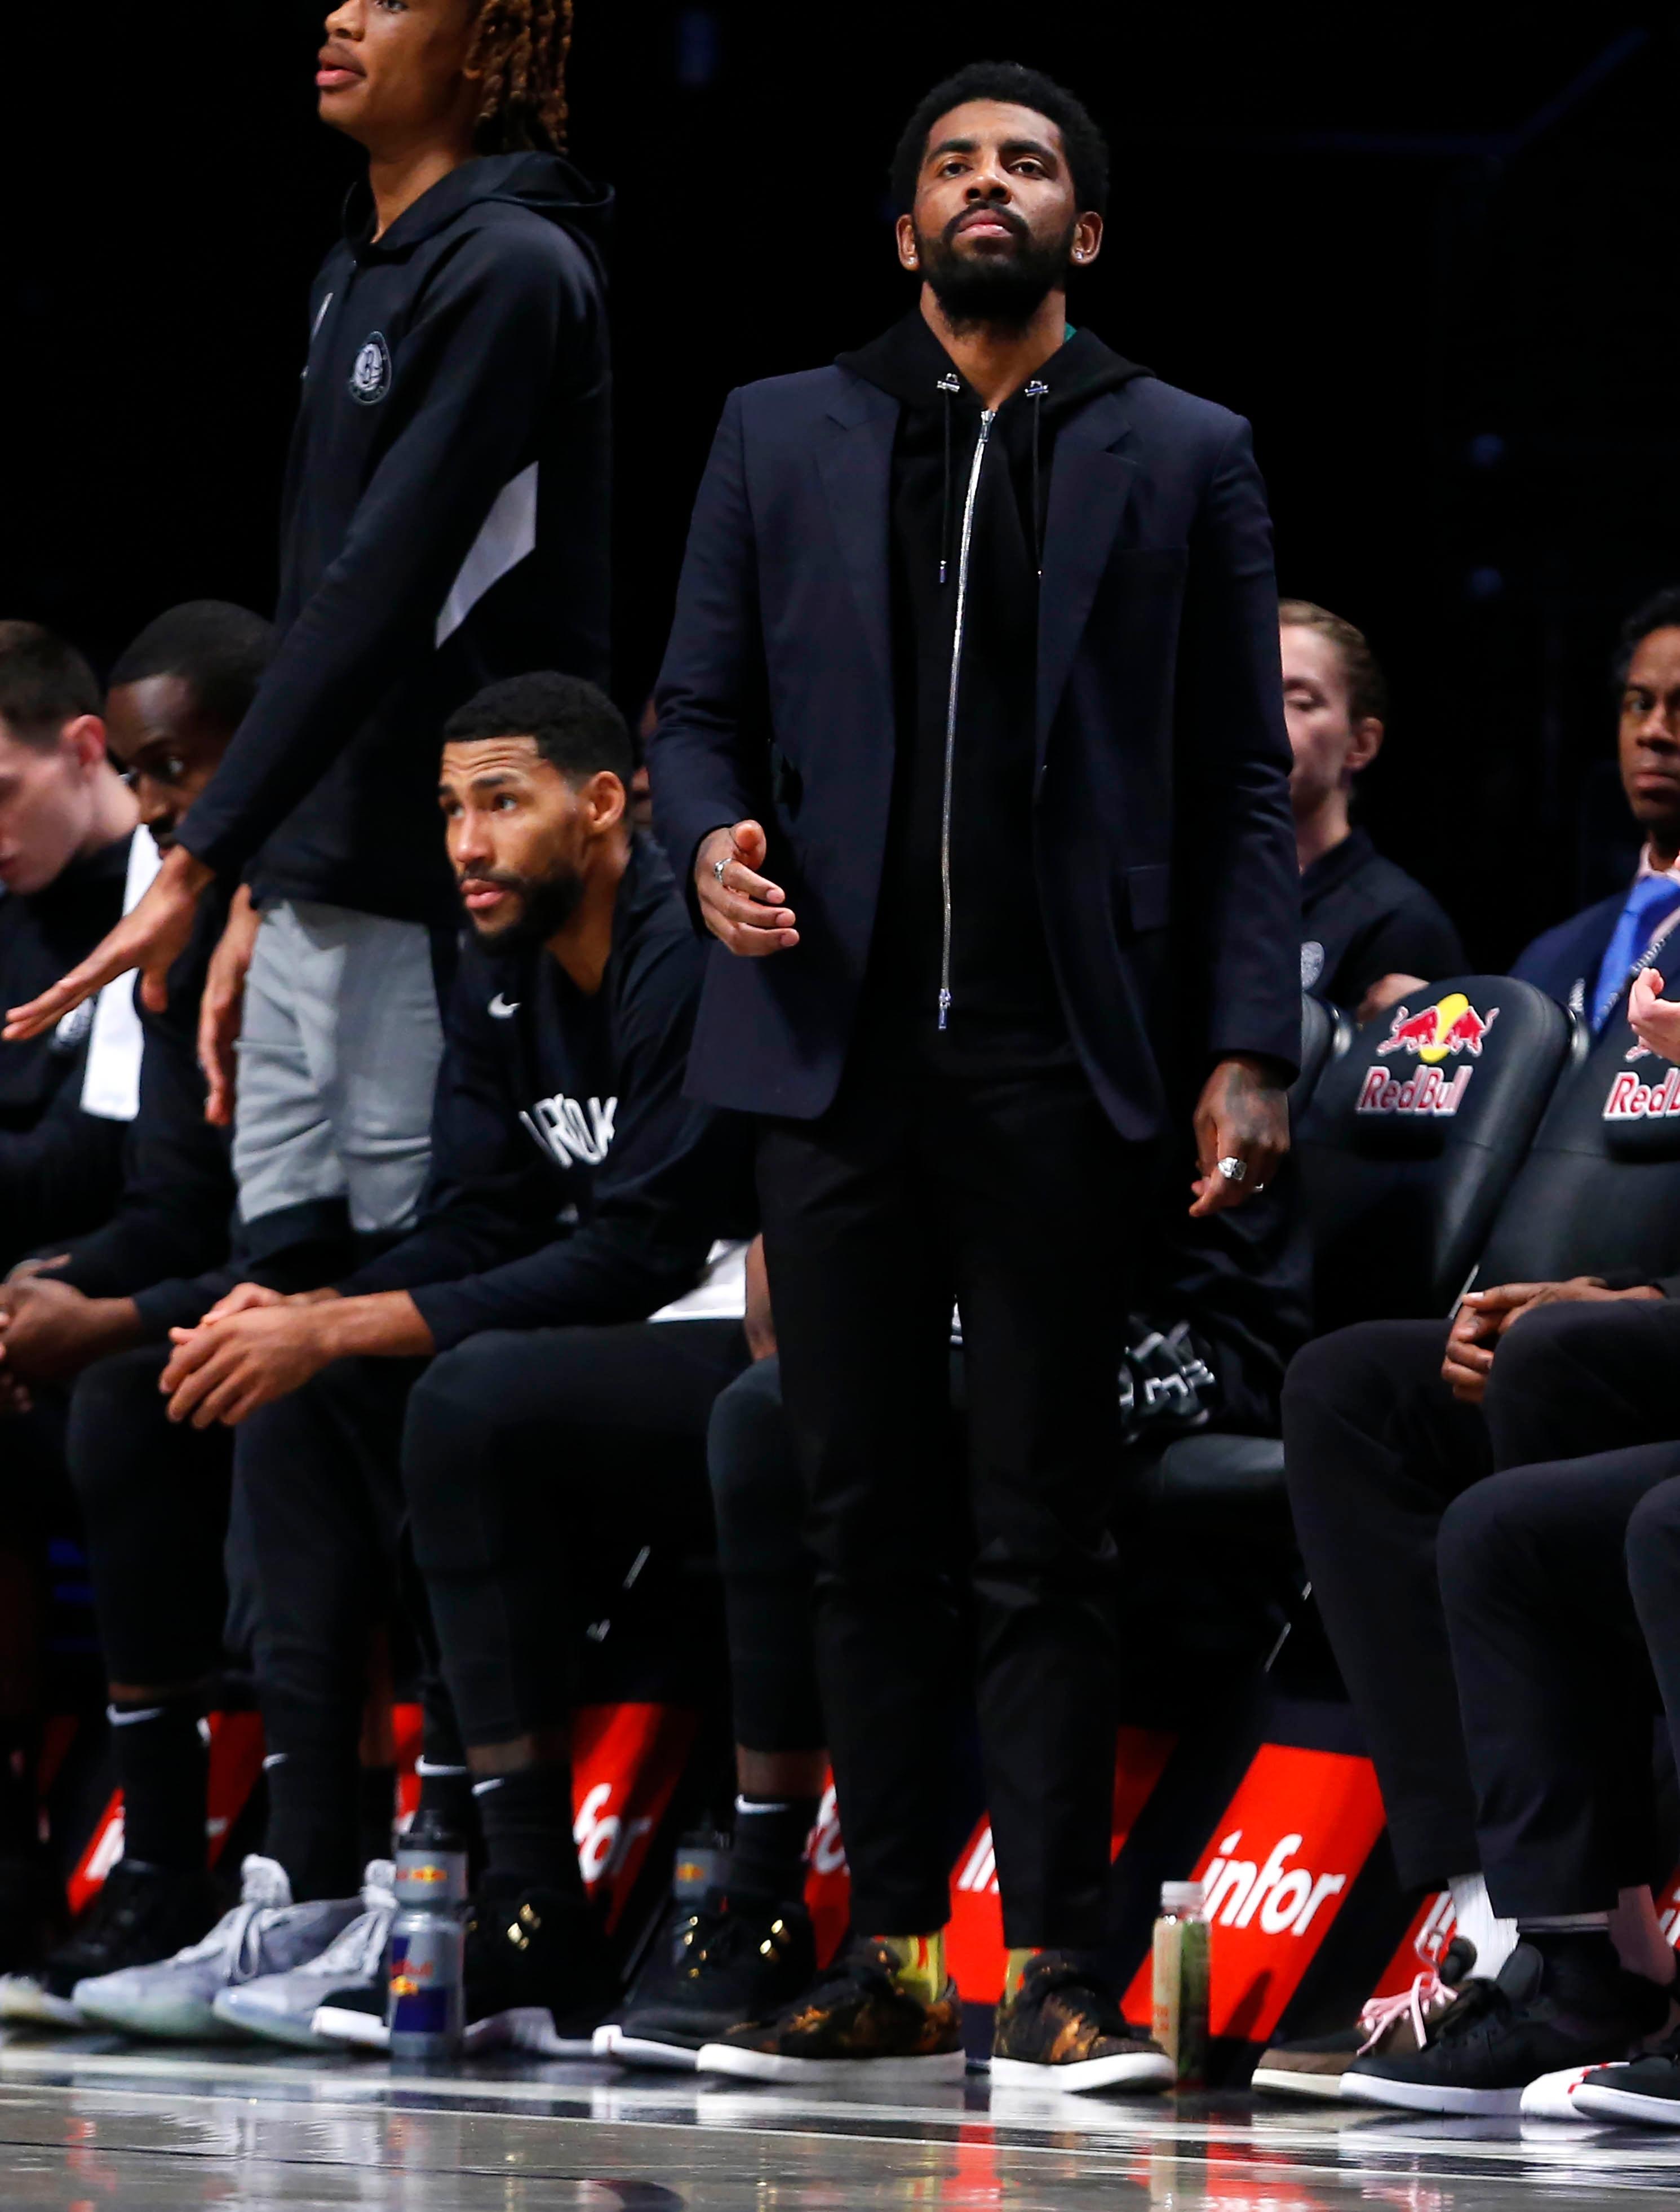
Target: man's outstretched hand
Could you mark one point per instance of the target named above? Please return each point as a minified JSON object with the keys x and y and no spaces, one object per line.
{"x":1243,"y":1113}
{"x":742,"y":909}
{"x":151,"y":938}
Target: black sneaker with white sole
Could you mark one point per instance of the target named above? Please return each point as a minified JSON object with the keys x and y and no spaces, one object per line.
{"x":858,"y":2022}
{"x":537,"y":1975}
{"x":1063,"y":2030}
{"x":715,"y":1964}
{"x":140,"y":1915}
{"x":1644,"y":2090}
{"x":1316,"y":2066}
{"x":1556,"y":2003}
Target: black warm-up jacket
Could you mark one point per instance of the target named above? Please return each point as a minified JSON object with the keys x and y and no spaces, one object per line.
{"x":1156,"y":830}
{"x":571,"y":1180}
{"x":445,"y":523}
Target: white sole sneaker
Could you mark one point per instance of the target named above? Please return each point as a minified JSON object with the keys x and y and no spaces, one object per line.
{"x":612,"y":2044}
{"x":1142,"y":2069}
{"x":356,"y":2031}
{"x":1552,"y":2096}
{"x":1434,"y":2097}
{"x":1283,"y":2082}
{"x":527,"y":2027}
{"x":1602,"y":2102}
{"x":773,"y":2066}
{"x":24,"y":1999}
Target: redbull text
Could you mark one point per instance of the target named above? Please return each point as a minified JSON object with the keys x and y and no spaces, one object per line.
{"x":1427,"y":1092}
{"x":1631,"y":1100}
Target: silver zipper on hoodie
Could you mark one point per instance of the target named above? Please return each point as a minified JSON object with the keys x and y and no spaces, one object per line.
{"x":987,"y":415}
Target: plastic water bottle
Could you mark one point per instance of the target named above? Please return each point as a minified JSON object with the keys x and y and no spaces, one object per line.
{"x":426,"y":2010}
{"x":1181,"y":1977}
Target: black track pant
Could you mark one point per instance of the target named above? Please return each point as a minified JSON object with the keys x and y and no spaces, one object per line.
{"x":154,"y":1499}
{"x":1547,"y":1575}
{"x":760,"y":1503}
{"x":1376,"y":1448}
{"x":509,"y":1437}
{"x":1013,"y":1194}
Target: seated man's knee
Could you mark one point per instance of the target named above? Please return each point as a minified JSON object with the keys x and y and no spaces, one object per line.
{"x":1653,"y":1552}
{"x":1474,"y":1544}
{"x":756,"y":1492}
{"x":112,"y":1402}
{"x":449,"y":1457}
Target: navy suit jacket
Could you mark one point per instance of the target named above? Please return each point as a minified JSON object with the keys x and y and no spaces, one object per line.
{"x":1159,"y":836}
{"x":1572,"y":953}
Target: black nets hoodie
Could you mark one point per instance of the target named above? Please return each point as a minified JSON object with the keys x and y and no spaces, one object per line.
{"x":570,"y":1181}
{"x":445,"y":523}
{"x":998,"y":972}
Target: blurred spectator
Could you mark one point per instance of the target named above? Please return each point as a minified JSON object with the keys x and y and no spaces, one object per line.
{"x":1589,"y":961}
{"x":1369,"y":933}
{"x":66,"y":829}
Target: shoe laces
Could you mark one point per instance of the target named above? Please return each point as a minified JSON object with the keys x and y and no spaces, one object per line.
{"x":1045,"y":1977}
{"x":237,"y":1937}
{"x":358,"y":1948}
{"x":731,"y":1934}
{"x":1428,"y":1994}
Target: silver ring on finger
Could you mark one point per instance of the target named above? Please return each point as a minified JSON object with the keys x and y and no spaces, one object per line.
{"x":718,"y":867}
{"x":1233,"y":1169}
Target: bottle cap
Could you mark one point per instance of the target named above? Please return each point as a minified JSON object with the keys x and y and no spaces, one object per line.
{"x":1180,"y":1896}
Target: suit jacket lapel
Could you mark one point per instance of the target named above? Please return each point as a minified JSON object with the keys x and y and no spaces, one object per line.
{"x":1089,"y":486}
{"x":855,"y":456}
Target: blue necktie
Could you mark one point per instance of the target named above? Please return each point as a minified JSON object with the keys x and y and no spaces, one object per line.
{"x":1651,"y":900}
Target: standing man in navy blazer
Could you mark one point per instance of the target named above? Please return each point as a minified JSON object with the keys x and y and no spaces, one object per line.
{"x":971,"y":745}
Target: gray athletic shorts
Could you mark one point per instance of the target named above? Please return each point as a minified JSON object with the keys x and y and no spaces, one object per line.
{"x":337,"y":1059}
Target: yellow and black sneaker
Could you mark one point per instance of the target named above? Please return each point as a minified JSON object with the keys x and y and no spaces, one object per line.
{"x":858,"y":2021}
{"x":1062,"y":2030}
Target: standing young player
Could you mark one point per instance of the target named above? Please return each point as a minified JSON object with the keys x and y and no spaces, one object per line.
{"x":445,"y":523}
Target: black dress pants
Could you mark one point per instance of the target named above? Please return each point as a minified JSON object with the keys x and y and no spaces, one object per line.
{"x":1539,"y":1568}
{"x":1010,"y":1193}
{"x":508,"y":1439}
{"x":153,"y":1500}
{"x":1376,"y":1448}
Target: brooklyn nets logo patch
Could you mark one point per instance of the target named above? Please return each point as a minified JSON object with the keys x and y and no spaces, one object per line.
{"x":370,"y":379}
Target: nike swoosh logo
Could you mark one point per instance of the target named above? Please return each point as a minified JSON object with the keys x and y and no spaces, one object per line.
{"x":501,"y":1010}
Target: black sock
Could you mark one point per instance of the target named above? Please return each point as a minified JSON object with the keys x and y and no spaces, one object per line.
{"x":163,"y":1764}
{"x":313,"y":1830}
{"x":1582,"y":1969}
{"x":376,"y":1811}
{"x":445,"y":1805}
{"x":527,"y":1818}
{"x":767,"y":1860}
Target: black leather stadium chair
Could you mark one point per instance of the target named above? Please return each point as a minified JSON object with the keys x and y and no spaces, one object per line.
{"x":1413,"y":1138}
{"x":1600,"y":1187}
{"x":1325,"y":1031}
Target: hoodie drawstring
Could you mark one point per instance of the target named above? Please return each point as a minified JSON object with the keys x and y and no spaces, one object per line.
{"x":949,"y":385}
{"x":1038,"y":390}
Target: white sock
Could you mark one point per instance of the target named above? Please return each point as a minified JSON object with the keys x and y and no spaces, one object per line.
{"x":1640,"y":1942}
{"x":1473,"y":1912}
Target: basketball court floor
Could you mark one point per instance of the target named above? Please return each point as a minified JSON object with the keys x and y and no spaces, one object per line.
{"x":85,"y":2125}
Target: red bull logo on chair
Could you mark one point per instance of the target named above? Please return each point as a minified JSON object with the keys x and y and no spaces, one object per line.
{"x":1440,"y":1032}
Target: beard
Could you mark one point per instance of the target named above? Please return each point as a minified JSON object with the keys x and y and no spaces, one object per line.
{"x":546,"y":904}
{"x":1002,"y":287}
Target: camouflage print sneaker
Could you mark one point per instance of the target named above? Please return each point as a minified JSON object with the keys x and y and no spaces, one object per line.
{"x":857,"y":2023}
{"x":1062,"y":2030}
{"x":1316,"y":2066}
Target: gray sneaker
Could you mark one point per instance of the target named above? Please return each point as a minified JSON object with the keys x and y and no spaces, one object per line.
{"x":280,"y":2007}
{"x":264,"y":1933}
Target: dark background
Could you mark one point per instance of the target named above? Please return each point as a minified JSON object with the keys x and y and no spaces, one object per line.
{"x":1429,"y":253}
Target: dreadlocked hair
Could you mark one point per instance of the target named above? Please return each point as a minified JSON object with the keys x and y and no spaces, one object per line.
{"x":521,"y":46}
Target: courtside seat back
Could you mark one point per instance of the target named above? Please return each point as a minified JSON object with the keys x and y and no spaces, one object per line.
{"x":1600,"y":1188}
{"x":1414,"y":1136}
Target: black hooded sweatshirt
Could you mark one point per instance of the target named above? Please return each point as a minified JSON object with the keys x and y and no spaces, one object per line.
{"x":445,"y":523}
{"x":1001,"y":992}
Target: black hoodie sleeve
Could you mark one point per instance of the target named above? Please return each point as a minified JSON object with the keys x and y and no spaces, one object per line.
{"x":60,"y":1178}
{"x":473,"y":370}
{"x":656,"y":1200}
{"x":173,"y":1217}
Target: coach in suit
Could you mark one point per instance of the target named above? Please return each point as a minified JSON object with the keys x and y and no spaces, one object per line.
{"x":1588,"y":961}
{"x":971,"y":746}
